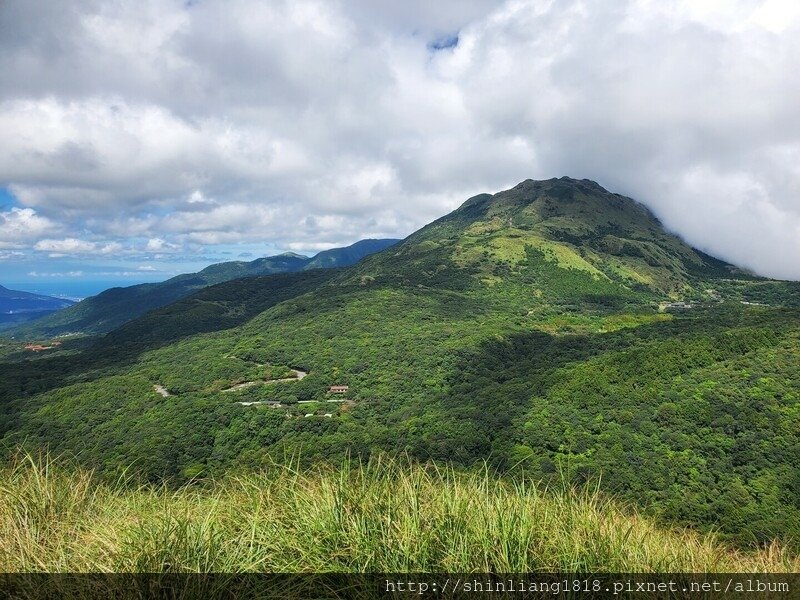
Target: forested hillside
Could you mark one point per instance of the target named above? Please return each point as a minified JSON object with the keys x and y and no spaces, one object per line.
{"x":554,"y":329}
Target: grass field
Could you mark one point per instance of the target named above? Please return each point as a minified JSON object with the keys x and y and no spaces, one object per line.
{"x":384,"y":516}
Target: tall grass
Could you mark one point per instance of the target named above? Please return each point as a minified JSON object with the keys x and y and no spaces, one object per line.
{"x":384,"y":516}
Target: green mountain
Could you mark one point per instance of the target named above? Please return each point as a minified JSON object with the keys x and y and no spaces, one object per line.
{"x":554,"y":328}
{"x":116,"y":306}
{"x":18,"y":307}
{"x":597,"y":241}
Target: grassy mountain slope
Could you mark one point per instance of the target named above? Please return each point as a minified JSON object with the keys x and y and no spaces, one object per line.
{"x":596,"y":240}
{"x":18,"y":307}
{"x":527,"y":328}
{"x":116,"y":306}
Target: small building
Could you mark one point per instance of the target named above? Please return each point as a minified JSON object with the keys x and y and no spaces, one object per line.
{"x":338,"y":389}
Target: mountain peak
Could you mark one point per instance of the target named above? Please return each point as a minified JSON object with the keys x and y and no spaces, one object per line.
{"x":563,"y":226}
{"x":563,"y":179}
{"x":531,"y":189}
{"x":557,"y":185}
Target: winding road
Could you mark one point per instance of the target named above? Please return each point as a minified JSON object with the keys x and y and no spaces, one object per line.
{"x":298,"y":375}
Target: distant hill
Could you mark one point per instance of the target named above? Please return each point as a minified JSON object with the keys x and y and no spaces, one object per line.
{"x":18,"y":307}
{"x":340,"y":257}
{"x":116,"y":306}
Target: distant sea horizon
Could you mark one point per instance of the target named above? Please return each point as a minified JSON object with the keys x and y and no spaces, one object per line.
{"x":71,"y":290}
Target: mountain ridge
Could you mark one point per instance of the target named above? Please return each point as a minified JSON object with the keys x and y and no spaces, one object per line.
{"x":434,"y":259}
{"x":114,"y":307}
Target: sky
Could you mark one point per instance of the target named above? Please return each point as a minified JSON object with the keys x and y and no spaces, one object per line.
{"x":145,"y":138}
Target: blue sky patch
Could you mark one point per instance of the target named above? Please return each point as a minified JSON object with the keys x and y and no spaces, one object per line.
{"x":7,"y":199}
{"x":443,"y":43}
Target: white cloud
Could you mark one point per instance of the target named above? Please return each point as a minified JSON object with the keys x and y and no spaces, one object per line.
{"x":58,"y":274}
{"x":22,"y":226}
{"x":304,"y":124}
{"x":75,"y":274}
{"x":70,"y":246}
{"x":309,"y":247}
{"x":158,"y":245}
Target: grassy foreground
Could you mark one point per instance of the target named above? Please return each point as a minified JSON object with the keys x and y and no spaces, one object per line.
{"x":385,"y":516}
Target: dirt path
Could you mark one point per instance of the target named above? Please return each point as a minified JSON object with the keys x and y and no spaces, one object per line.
{"x":298,"y":375}
{"x":241,"y":386}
